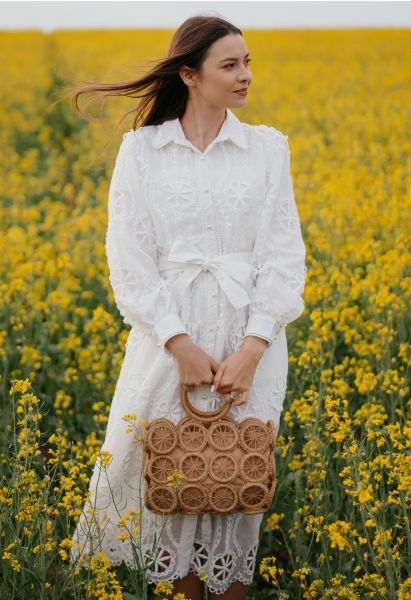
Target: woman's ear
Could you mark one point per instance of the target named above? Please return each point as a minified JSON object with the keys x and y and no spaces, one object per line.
{"x":188,"y":75}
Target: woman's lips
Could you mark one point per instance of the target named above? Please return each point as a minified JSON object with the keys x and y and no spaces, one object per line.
{"x":242,"y":93}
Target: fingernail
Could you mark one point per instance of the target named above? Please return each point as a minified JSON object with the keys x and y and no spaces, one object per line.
{"x":212,"y":388}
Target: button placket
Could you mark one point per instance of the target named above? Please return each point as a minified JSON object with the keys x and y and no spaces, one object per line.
{"x":211,"y":249}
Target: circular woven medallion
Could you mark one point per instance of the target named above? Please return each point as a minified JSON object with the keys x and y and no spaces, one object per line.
{"x":162,"y":498}
{"x":184,"y":420}
{"x":254,"y":467}
{"x":254,"y":435}
{"x":162,"y":436}
{"x":192,"y":497}
{"x":253,"y":495}
{"x":193,"y":467}
{"x":192,"y":436}
{"x":160,"y":467}
{"x":223,"y":435}
{"x":223,"y":468}
{"x":223,"y":497}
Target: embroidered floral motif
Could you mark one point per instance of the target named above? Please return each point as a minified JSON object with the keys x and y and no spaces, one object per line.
{"x":249,"y":560}
{"x":223,"y":566}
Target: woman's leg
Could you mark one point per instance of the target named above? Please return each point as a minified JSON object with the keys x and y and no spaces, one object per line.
{"x":191,"y":586}
{"x":236,"y":591}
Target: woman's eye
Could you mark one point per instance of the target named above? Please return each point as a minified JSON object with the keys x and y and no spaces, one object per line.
{"x":233,"y":64}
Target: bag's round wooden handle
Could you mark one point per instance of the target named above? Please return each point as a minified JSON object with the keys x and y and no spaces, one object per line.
{"x":205,"y":417}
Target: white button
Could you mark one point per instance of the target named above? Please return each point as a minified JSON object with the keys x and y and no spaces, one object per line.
{"x":214,"y":294}
{"x":204,"y":396}
{"x":206,"y":189}
{"x":201,"y":157}
{"x":211,"y":328}
{"x":209,"y":226}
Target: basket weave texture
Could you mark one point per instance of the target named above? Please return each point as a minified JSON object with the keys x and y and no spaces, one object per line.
{"x":225,"y":467}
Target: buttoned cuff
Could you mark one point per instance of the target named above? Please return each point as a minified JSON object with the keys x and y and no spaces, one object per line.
{"x":168,"y":327}
{"x":264,"y":327}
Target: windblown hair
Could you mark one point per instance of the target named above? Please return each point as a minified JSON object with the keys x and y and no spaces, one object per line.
{"x":162,"y":91}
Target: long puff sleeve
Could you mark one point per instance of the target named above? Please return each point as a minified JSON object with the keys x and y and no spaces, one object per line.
{"x":144,"y":299}
{"x":279,"y":252}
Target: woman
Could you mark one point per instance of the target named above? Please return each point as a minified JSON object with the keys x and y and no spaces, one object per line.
{"x":193,"y":184}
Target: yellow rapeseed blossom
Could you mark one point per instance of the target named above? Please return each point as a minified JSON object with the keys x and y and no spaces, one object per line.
{"x":174,"y":478}
{"x":269,"y":570}
{"x":274,"y":520}
{"x":164,"y":588}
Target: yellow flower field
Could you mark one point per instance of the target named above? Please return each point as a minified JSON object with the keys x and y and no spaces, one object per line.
{"x":339,"y":526}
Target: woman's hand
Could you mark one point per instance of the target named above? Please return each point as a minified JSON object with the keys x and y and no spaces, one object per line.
{"x":235,"y":374}
{"x":194,"y":366}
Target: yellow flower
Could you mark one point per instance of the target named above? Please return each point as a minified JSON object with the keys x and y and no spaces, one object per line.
{"x":163,"y":587}
{"x":175,"y":478}
{"x":269,"y":570}
{"x":338,"y":533}
{"x":19,"y":385}
{"x":129,"y":417}
{"x":105,"y":457}
{"x":273,"y":521}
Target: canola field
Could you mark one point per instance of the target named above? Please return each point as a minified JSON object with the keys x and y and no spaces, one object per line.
{"x":339,"y":525}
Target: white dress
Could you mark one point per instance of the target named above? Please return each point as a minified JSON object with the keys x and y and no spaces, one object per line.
{"x":207,"y":243}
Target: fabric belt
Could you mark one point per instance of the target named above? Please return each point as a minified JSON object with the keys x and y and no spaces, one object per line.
{"x":232,"y":271}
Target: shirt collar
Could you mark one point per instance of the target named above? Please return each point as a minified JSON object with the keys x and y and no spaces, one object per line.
{"x":172,"y":131}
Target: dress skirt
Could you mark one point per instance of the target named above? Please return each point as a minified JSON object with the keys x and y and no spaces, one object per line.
{"x":221,"y":547}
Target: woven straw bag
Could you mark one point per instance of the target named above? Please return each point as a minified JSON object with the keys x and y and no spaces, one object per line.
{"x":226,"y":467}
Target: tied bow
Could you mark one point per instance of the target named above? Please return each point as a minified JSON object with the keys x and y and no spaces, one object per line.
{"x":231,"y":272}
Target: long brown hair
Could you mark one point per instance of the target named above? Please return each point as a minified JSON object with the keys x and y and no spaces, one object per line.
{"x":163,"y":92}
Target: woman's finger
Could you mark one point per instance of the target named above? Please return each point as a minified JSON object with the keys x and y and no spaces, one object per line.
{"x":217,"y":378}
{"x":242,"y":400}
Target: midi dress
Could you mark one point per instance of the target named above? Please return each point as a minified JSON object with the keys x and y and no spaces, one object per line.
{"x":208,"y":244}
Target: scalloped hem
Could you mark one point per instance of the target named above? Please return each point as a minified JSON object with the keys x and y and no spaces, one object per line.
{"x":213,"y":590}
{"x":153,"y":580}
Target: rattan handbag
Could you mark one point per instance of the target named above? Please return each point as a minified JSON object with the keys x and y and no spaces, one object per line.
{"x":225,"y":467}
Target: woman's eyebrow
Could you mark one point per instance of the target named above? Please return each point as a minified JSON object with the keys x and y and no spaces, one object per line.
{"x":235,"y":58}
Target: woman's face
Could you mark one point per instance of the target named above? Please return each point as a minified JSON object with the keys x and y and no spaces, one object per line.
{"x":224,"y":70}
